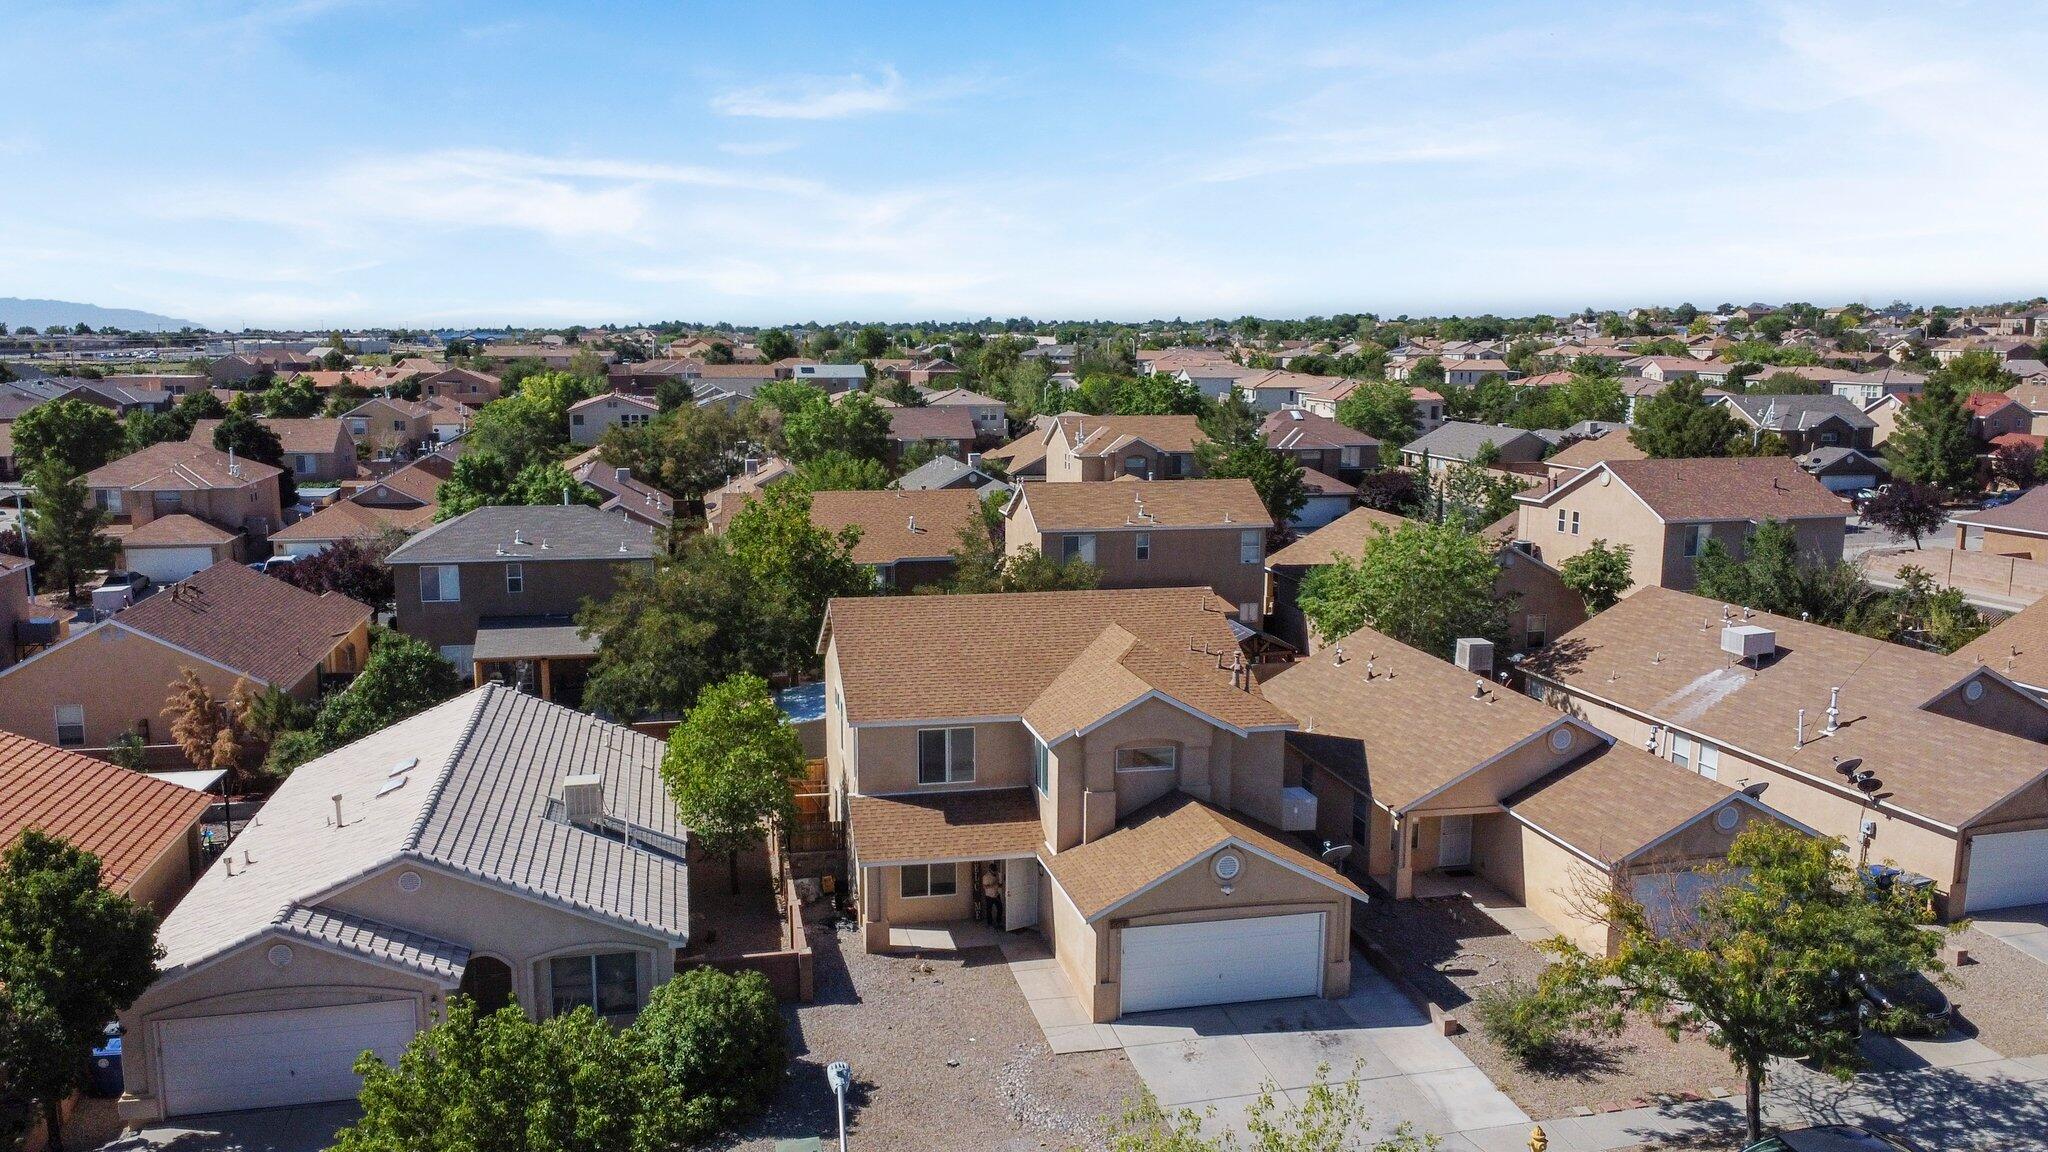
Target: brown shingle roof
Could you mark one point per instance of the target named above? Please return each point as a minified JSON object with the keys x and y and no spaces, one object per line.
{"x":1344,"y":536}
{"x":175,"y":530}
{"x":175,"y":466}
{"x":1107,"y":435}
{"x":886,"y":521}
{"x":1157,"y":841}
{"x":1658,"y":653}
{"x":951,"y":422}
{"x":2027,"y":515}
{"x":1723,"y":488}
{"x":1141,"y":504}
{"x":348,"y":520}
{"x":258,"y":625}
{"x":1586,"y":453}
{"x":125,"y":818}
{"x":293,"y":435}
{"x":1616,"y":800}
{"x":1294,"y":429}
{"x":2016,"y":646}
{"x":979,"y":825}
{"x":910,"y":658}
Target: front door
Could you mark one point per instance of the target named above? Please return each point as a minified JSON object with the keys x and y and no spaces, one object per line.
{"x":1454,"y":842}
{"x":1020,"y":893}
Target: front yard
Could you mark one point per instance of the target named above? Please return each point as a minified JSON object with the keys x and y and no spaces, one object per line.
{"x":945,"y":1054}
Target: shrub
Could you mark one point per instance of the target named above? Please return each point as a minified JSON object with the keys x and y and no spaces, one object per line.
{"x":717,"y":1040}
{"x":1520,"y":1020}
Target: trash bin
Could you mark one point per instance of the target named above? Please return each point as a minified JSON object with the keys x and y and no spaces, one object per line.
{"x":105,"y":1077}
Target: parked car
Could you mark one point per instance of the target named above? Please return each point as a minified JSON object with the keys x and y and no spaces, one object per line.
{"x":272,"y":564}
{"x":2000,"y":499}
{"x":1830,"y":1138}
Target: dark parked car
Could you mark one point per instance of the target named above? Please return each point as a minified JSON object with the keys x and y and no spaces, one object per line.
{"x":1830,"y":1138}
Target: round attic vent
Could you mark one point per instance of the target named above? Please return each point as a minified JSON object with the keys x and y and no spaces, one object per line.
{"x":1560,"y":739}
{"x":1727,"y":818}
{"x":1227,"y":866}
{"x":280,"y":955}
{"x":408,"y":881}
{"x":1973,"y":691}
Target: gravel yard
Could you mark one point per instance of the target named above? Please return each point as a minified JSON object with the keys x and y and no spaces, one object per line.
{"x":945,"y":1055}
{"x":2002,"y":997}
{"x":1450,"y":951}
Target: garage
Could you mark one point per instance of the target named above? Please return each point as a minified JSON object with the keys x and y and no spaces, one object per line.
{"x":2007,"y":869}
{"x":273,"y":1059}
{"x":1222,"y":961}
{"x":170,"y":565}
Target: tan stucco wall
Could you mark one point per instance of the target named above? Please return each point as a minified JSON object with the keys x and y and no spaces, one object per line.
{"x":167,"y":878}
{"x":1551,"y":882}
{"x":882,"y":898}
{"x":117,"y":676}
{"x":1180,"y":557}
{"x":1998,"y":543}
{"x":888,"y":758}
{"x":1607,"y":512}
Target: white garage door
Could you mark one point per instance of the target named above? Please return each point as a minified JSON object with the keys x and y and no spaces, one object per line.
{"x":1222,"y":961}
{"x":169,"y":565}
{"x":270,"y":1059}
{"x":2008,"y":869}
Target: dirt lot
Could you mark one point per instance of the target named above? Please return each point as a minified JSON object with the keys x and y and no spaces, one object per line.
{"x":1450,"y":950}
{"x":2002,"y":998}
{"x":945,"y":1055}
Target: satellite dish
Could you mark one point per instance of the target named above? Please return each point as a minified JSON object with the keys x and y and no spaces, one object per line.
{"x":1335,"y":854}
{"x":1848,"y":767}
{"x":1868,"y":783}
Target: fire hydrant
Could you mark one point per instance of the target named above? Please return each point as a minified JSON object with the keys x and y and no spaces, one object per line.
{"x":1537,"y":1140}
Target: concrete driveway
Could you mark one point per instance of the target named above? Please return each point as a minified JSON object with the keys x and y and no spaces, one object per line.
{"x":2024,"y":928}
{"x":309,"y":1128}
{"x":1220,"y":1058}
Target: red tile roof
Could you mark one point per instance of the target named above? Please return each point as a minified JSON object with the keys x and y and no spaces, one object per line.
{"x":125,"y":818}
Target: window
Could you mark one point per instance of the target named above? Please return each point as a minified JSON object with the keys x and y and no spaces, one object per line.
{"x":1536,"y":631}
{"x":1575,"y":523}
{"x":1831,"y":438}
{"x":608,"y":982}
{"x":1681,"y":750}
{"x":1078,"y":546}
{"x":1560,"y":519}
{"x":1144,"y":545}
{"x":1041,"y":767}
{"x":1248,"y":612}
{"x":1134,"y":464}
{"x":1710,"y":761}
{"x":302,"y":464}
{"x":1251,"y":546}
{"x":576,"y":420}
{"x":1164,"y":758}
{"x":440,"y":584}
{"x":515,"y":579}
{"x":1695,"y":540}
{"x":930,"y":880}
{"x":70,"y":725}
{"x":1361,"y":819}
{"x":945,"y":755}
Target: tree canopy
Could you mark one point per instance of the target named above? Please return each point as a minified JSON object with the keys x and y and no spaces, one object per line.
{"x":481,"y":478}
{"x":64,"y":523}
{"x":1599,"y":575}
{"x":731,"y":767}
{"x":76,"y":434}
{"x":1426,"y":585}
{"x":1932,"y":443}
{"x":1678,"y":423}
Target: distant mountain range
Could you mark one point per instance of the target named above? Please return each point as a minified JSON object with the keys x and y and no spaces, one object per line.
{"x":42,"y":314}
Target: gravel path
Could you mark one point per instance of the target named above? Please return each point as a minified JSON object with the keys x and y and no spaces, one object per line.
{"x":945,"y":1055}
{"x":2002,"y":995}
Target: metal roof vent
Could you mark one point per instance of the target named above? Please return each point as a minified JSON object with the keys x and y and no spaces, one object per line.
{"x":1748,"y":641}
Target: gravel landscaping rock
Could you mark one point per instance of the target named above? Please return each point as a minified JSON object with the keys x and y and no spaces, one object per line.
{"x":2002,"y":997}
{"x":945,"y":1054}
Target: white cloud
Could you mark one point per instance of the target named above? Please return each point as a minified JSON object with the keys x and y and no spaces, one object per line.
{"x":757,"y":147}
{"x":817,"y":98}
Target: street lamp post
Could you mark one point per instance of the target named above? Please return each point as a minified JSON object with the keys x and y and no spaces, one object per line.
{"x":840,"y":1076}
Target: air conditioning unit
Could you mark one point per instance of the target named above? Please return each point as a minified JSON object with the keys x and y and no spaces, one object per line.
{"x":1297,"y":810}
{"x":1475,"y":655}
{"x":1748,"y":641}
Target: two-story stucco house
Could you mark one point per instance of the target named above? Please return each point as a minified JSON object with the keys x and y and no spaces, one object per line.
{"x":1667,"y":510}
{"x":1101,"y":761}
{"x":1081,"y":447}
{"x":1151,"y":534}
{"x":318,"y":451}
{"x":590,"y":419}
{"x":238,"y":495}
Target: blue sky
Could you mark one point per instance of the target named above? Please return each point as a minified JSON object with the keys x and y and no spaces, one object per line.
{"x":379,"y":161}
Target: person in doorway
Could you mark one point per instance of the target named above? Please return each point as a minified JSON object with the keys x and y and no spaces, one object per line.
{"x":992,"y":895}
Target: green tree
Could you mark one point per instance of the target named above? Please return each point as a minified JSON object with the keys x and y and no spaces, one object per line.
{"x":871,"y":342}
{"x":72,"y":956}
{"x":792,"y":568}
{"x":775,"y":344}
{"x":1381,"y":409}
{"x":1904,"y":508}
{"x":685,"y":452}
{"x":671,"y":393}
{"x":482,"y":478}
{"x":1932,"y":442}
{"x":532,"y":423}
{"x":76,"y":434}
{"x":840,"y":472}
{"x":1978,"y":370}
{"x":1678,"y":423}
{"x":732,"y":766}
{"x":716,"y":1041}
{"x":665,"y":634}
{"x":1599,"y":575}
{"x":1426,"y":585}
{"x":854,"y":425}
{"x":65,"y":523}
{"x":251,"y":439}
{"x":505,"y":1082}
{"x":291,"y":399}
{"x":1276,"y":475}
{"x":403,"y":677}
{"x":143,"y":428}
{"x":1760,"y":965}
{"x":1329,"y":1118}
{"x":1767,"y":577}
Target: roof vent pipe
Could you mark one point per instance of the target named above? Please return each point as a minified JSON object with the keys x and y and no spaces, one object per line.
{"x":337,"y":809}
{"x":1834,"y":710}
{"x":1799,"y":734}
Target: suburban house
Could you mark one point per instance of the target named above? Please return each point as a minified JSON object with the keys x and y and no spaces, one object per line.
{"x":621,"y":492}
{"x":1667,"y":510}
{"x":390,"y":426}
{"x":1151,"y":534}
{"x":196,"y":480}
{"x":1995,"y":414}
{"x":1845,"y":471}
{"x":144,"y":829}
{"x":1928,"y":763}
{"x":2033,"y":396}
{"x":2016,"y":529}
{"x":590,"y":419}
{"x":171,"y":548}
{"x":1214,"y":379}
{"x":319,"y":451}
{"x":2016,"y":648}
{"x":947,"y":472}
{"x":1466,"y":373}
{"x":1107,"y":758}
{"x":1321,"y":444}
{"x":226,"y":623}
{"x":1434,"y":775}
{"x":1459,"y":442}
{"x":505,"y":569}
{"x":465,"y":387}
{"x":907,"y":537}
{"x":723,"y":501}
{"x":1022,"y":459}
{"x":1539,"y":606}
{"x":1580,"y":455}
{"x":240,"y":369}
{"x":1273,"y":389}
{"x":950,"y":430}
{"x":1804,"y":422}
{"x":1080,"y":447}
{"x":555,"y":356}
{"x":990,"y":415}
{"x":23,"y":624}
{"x":833,"y":378}
{"x":398,"y":503}
{"x":495,"y":846}
{"x":1324,"y":498}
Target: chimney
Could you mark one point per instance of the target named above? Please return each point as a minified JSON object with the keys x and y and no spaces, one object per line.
{"x":582,"y":798}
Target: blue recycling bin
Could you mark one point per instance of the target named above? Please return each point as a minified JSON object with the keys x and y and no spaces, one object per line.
{"x":105,"y":1076}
